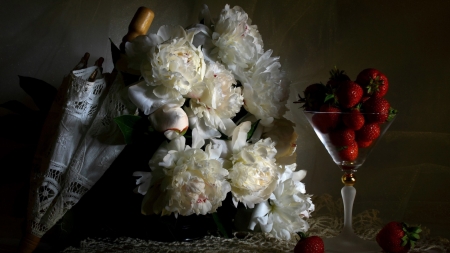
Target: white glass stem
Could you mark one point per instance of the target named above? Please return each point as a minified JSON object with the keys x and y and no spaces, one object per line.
{"x":348,"y":197}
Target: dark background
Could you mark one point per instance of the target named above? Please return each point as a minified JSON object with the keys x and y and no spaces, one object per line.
{"x":406,"y":177}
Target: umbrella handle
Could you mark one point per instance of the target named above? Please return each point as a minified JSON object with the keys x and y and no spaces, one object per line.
{"x":139,"y":25}
{"x":28,"y":243}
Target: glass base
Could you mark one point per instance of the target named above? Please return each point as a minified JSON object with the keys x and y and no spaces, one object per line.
{"x":349,"y":242}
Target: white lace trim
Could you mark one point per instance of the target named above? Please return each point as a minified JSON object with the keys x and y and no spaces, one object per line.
{"x":78,"y":143}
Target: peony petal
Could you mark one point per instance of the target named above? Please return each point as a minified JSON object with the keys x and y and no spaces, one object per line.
{"x":143,"y":181}
{"x":239,"y":139}
{"x":261,"y":210}
{"x":229,"y":127}
{"x":167,"y":32}
{"x":197,"y":140}
{"x":144,"y":98}
{"x":299,"y":175}
{"x":225,"y":148}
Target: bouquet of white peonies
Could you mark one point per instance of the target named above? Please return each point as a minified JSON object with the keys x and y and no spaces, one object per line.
{"x":219,"y":98}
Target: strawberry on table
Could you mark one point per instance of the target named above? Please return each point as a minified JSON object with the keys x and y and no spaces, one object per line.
{"x":312,"y":244}
{"x":397,"y":237}
{"x":349,"y":152}
{"x":326,"y":122}
{"x":379,"y":107}
{"x":368,"y":132}
{"x":373,"y":82}
{"x":354,"y":119}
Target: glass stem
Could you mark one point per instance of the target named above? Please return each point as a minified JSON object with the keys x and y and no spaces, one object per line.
{"x":348,"y":196}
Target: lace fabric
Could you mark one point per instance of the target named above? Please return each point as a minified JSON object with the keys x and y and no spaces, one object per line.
{"x":327,"y":222}
{"x":78,"y":143}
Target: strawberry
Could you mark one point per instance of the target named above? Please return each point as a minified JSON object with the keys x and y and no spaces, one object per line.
{"x":373,"y":82}
{"x":312,"y":244}
{"x":364,"y":144}
{"x":354,"y":119}
{"x":348,"y":94}
{"x":349,"y":152}
{"x":397,"y":237}
{"x":328,"y":120}
{"x":336,"y":77}
{"x":314,"y":97}
{"x":368,"y":132}
{"x":378,"y":109}
{"x":342,"y":137}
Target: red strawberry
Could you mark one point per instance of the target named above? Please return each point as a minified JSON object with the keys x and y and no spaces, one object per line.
{"x":328,"y":120}
{"x":368,"y":132}
{"x":349,"y":152}
{"x":373,"y":82}
{"x":397,"y":237}
{"x":342,"y":137}
{"x":312,"y":244}
{"x":354,"y":119}
{"x":378,"y":109}
{"x":364,"y":144}
{"x":348,"y":94}
{"x":314,"y":97}
{"x":336,"y":77}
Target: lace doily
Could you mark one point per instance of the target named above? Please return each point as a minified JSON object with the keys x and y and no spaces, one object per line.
{"x":327,"y":222}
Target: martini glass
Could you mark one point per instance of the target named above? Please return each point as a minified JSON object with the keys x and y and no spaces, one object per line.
{"x":327,"y":126}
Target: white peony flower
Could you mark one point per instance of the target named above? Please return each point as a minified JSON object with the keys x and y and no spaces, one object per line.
{"x":186,"y":180}
{"x":215,"y":101}
{"x":174,"y":67}
{"x":286,"y":209}
{"x":170,"y":64}
{"x":254,"y":174}
{"x":265,"y":88}
{"x":139,"y":49}
{"x":238,"y":42}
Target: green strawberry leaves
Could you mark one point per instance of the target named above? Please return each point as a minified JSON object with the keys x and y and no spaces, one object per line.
{"x":392,"y":113}
{"x":411,"y":235}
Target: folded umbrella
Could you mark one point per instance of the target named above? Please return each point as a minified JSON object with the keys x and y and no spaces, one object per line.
{"x":79,"y":140}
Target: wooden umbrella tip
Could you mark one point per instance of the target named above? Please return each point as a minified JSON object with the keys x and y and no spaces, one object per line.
{"x":29,"y":243}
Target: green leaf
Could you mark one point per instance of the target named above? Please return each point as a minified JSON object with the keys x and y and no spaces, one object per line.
{"x":131,"y":127}
{"x":392,"y":113}
{"x":328,"y":97}
{"x":404,"y":240}
{"x":115,"y":52}
{"x":252,"y":130}
{"x":415,"y":236}
{"x":41,"y":92}
{"x":219,"y":225}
